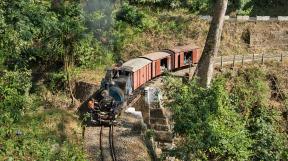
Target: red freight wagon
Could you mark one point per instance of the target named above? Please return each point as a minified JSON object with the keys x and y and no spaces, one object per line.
{"x":140,"y":70}
{"x":183,"y":55}
{"x":160,"y":62}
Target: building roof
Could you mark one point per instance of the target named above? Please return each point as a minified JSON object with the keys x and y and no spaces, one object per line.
{"x":156,"y":55}
{"x":135,"y":64}
{"x":184,"y":48}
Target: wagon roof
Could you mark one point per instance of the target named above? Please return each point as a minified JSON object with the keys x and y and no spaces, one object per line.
{"x":156,"y":55}
{"x":184,"y":48}
{"x":135,"y":64}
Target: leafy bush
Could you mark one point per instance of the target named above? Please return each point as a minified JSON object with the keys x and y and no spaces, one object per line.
{"x":93,"y":54}
{"x":38,"y":136}
{"x":250,"y":89}
{"x":28,"y":133}
{"x":250,"y":94}
{"x":200,"y":6}
{"x":195,"y":6}
{"x":231,"y":120}
{"x":203,"y":117}
{"x":270,"y":144}
{"x":56,"y":81}
{"x":131,"y":15}
{"x":235,"y":7}
{"x":14,"y":99}
{"x":37,"y":33}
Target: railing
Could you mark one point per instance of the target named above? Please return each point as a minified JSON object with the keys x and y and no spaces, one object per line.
{"x":259,"y":58}
{"x":248,"y":18}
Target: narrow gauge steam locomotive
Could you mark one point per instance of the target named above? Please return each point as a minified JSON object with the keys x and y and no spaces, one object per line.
{"x":121,"y":81}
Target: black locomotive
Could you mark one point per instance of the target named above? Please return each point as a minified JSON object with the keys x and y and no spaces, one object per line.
{"x":108,"y":102}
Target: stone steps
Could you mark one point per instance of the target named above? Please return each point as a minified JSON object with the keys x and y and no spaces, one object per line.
{"x":164,"y":136}
{"x":154,"y":120}
{"x":160,"y":127}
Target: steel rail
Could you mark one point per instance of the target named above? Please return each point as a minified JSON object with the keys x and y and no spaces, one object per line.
{"x":111,"y":143}
{"x":100,"y":143}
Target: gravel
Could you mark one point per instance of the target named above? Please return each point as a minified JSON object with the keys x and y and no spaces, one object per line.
{"x":128,"y":141}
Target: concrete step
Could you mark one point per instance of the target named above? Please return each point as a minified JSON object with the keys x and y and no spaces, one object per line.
{"x":163,"y":136}
{"x":162,"y":121}
{"x":160,"y":127}
{"x":157,"y":112}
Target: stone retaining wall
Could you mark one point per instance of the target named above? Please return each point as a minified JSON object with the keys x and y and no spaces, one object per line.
{"x":84,"y":90}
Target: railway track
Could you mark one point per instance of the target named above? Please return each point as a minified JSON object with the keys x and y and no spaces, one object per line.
{"x":111,"y":143}
{"x":100,"y":143}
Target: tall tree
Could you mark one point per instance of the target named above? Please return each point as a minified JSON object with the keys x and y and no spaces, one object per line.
{"x":206,"y":64}
{"x":70,"y":31}
{"x":41,"y":35}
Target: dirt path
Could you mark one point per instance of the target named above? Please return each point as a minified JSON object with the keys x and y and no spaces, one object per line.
{"x":128,"y":141}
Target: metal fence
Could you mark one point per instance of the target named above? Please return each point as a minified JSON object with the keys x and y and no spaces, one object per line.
{"x":247,"y":18}
{"x":254,"y":58}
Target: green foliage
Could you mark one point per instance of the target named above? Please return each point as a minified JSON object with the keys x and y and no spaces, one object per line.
{"x":38,"y":33}
{"x":99,"y":18}
{"x":39,"y":136}
{"x":20,"y":25}
{"x":14,"y":100}
{"x":56,"y":81}
{"x":131,"y":15}
{"x":235,"y":7}
{"x":203,"y":117}
{"x":195,"y":6}
{"x":269,"y":144}
{"x":150,"y":134}
{"x":200,"y":6}
{"x":100,"y":22}
{"x":26,"y":132}
{"x":93,"y":54}
{"x":231,"y":120}
{"x":250,"y":93}
{"x":249,"y":83}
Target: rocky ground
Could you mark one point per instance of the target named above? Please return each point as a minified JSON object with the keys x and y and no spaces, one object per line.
{"x":128,"y":141}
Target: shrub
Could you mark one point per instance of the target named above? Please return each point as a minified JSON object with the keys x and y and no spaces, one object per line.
{"x":56,"y":81}
{"x":232,"y":120}
{"x":250,"y":94}
{"x":200,"y":6}
{"x":203,"y":118}
{"x":91,"y":53}
{"x":14,"y":99}
{"x":131,"y":15}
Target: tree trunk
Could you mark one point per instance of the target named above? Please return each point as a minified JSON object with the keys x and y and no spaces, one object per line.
{"x":205,"y":66}
{"x":68,"y":63}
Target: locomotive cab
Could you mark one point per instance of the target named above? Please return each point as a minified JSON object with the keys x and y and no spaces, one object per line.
{"x":124,"y":81}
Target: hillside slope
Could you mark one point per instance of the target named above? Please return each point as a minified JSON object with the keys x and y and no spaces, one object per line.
{"x":168,"y":29}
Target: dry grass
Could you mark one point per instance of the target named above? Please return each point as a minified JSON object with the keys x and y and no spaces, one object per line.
{"x":62,"y":123}
{"x":93,"y":76}
{"x":180,"y":28}
{"x":278,"y":70}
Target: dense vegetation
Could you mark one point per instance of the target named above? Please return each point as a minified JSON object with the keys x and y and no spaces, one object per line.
{"x":45,"y":45}
{"x":232,"y":120}
{"x":235,"y":7}
{"x":31,"y":130}
{"x":39,"y":37}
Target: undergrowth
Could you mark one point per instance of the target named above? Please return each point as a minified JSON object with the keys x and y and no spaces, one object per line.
{"x":31,"y":130}
{"x":232,"y":120}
